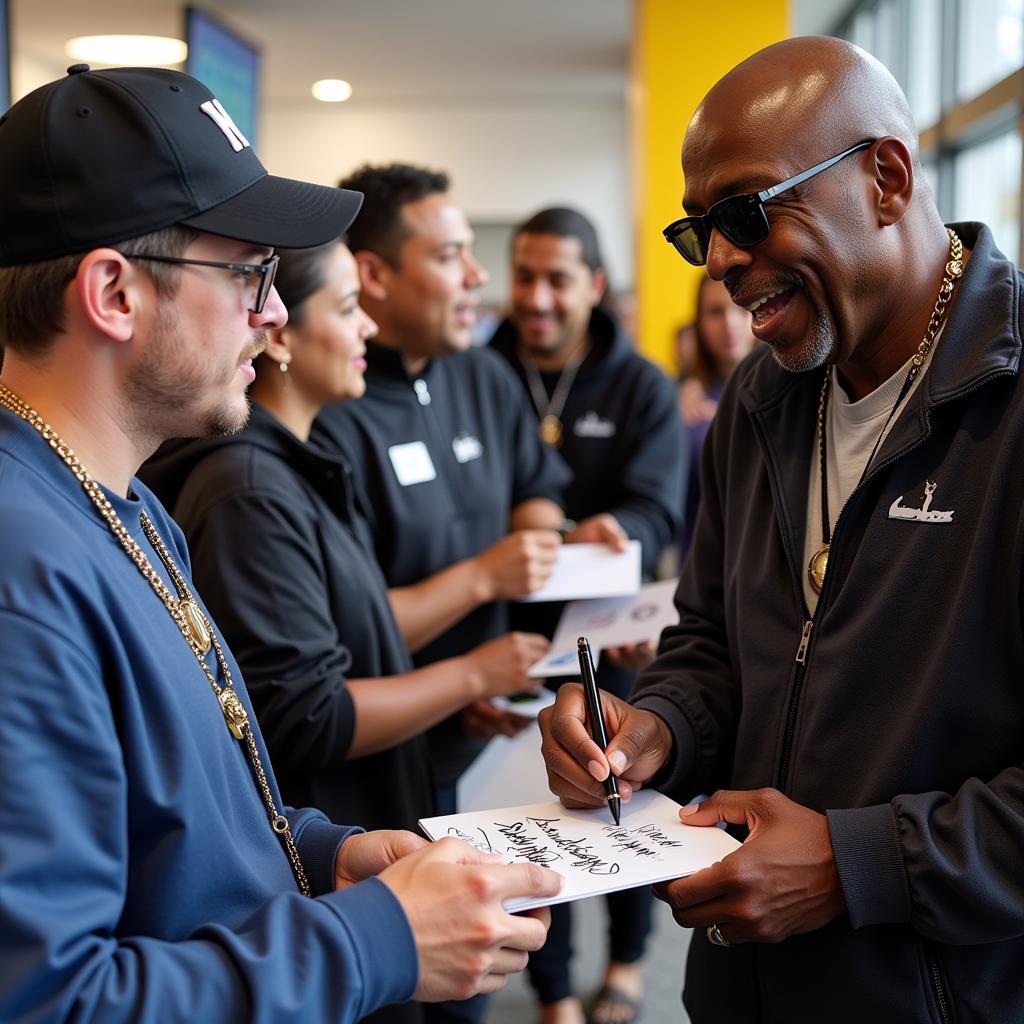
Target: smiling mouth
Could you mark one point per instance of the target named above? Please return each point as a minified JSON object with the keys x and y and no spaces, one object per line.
{"x":770,"y":304}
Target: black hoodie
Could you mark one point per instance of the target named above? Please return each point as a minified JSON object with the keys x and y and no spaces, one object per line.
{"x":623,"y":441}
{"x":282,"y":557}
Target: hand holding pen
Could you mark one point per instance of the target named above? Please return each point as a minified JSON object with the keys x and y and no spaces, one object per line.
{"x":595,"y":722}
{"x":638,"y":744}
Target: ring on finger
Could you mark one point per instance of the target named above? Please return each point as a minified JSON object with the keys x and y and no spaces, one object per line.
{"x":715,"y":936}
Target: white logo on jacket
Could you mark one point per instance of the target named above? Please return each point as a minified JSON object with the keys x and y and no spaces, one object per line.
{"x":924,"y":514}
{"x":467,"y":448}
{"x":592,"y":425}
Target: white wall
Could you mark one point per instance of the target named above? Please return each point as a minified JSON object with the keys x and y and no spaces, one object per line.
{"x":505,"y":161}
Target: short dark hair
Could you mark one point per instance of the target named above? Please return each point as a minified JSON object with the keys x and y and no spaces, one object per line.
{"x":386,"y":189}
{"x":300,"y":273}
{"x":565,"y":222}
{"x":32,"y":294}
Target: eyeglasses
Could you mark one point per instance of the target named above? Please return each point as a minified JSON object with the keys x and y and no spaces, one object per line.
{"x":740,"y":218}
{"x":261,"y":275}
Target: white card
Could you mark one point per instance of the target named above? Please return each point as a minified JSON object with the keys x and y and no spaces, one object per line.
{"x":591,"y":570}
{"x":564,"y":662}
{"x":587,"y":848}
{"x":412,"y":463}
{"x":609,"y":622}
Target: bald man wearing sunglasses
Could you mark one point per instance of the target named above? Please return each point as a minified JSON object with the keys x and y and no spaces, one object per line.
{"x":845,"y":677}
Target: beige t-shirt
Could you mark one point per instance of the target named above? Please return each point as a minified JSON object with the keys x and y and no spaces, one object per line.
{"x":852,"y":430}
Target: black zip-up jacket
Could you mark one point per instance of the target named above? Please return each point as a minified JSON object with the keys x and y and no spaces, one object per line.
{"x":441,"y":459}
{"x":282,"y":556}
{"x":898,"y":708}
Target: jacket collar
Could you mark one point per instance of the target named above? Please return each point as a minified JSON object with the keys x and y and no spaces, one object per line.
{"x":981,"y":336}
{"x":385,"y":364}
{"x":329,"y":473}
{"x":981,"y":341}
{"x":608,"y":344}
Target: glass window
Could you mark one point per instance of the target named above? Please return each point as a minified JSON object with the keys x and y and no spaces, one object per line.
{"x":924,"y":50}
{"x":930,"y":168}
{"x":862,"y":31}
{"x":990,"y":43}
{"x":888,"y":36}
{"x":987,"y":188}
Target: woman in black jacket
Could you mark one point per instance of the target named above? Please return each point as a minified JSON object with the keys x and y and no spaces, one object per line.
{"x":283,"y":559}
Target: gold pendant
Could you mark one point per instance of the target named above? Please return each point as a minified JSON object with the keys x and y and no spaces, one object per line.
{"x":551,"y":430}
{"x":816,"y":568}
{"x":234,"y":712}
{"x":196,"y":625}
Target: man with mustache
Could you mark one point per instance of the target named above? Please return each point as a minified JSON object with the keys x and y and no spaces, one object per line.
{"x":845,"y":676}
{"x":443,"y":444}
{"x":149,"y":870}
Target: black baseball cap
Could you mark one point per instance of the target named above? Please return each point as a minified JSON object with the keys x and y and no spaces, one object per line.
{"x":100,"y":157}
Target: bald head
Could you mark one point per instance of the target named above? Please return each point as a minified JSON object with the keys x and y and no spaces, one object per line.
{"x":829,"y":264}
{"x":806,"y":98}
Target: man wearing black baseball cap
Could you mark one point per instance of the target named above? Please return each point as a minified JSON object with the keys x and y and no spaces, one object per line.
{"x":148,"y":870}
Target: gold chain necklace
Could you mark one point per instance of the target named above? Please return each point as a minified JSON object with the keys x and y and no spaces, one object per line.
{"x":184,"y":610}
{"x":549,"y":410}
{"x":818,"y":564}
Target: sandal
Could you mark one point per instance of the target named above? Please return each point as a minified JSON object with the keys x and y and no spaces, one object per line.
{"x":609,"y":998}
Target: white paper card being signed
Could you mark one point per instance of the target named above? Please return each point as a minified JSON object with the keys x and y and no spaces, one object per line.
{"x":593,"y":854}
{"x":591,"y":570}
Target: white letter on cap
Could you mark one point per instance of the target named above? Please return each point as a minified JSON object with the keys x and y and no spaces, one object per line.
{"x":222,"y":119}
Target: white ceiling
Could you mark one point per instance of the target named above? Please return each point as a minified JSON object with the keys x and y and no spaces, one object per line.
{"x":390,"y":50}
{"x":394,"y":50}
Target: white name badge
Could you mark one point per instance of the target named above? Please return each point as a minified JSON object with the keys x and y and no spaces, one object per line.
{"x":412,"y":463}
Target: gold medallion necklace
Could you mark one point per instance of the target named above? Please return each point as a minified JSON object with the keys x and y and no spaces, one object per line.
{"x":549,"y":410}
{"x":954,"y":268}
{"x":184,"y":610}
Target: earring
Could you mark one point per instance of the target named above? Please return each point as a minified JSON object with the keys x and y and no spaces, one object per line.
{"x":284,"y":365}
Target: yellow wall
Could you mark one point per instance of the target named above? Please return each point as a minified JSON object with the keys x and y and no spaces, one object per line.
{"x":680,"y":49}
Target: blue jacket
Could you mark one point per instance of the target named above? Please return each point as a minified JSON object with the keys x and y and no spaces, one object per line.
{"x":139,"y":877}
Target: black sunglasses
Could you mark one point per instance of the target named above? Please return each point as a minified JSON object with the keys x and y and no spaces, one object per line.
{"x":261,"y":275}
{"x":740,"y":218}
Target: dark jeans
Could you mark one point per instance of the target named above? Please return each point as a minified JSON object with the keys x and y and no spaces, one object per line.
{"x":629,"y":923}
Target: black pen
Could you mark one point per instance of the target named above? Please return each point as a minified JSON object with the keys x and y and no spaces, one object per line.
{"x":595,"y":717}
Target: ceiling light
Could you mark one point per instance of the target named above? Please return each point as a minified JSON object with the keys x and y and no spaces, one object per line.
{"x":135,"y":51}
{"x":332,"y":90}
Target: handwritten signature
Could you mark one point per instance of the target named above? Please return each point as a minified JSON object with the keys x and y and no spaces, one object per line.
{"x":553,"y":846}
{"x":481,"y":843}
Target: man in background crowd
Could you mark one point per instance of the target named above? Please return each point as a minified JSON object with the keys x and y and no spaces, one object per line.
{"x":612,"y":417}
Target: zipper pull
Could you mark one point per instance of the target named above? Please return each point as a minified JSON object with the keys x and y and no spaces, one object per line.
{"x":420,"y":387}
{"x":805,"y":639}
